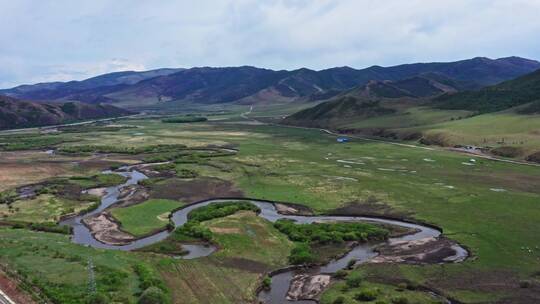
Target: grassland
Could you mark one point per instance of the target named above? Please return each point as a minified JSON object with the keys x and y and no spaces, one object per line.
{"x":146,"y":217}
{"x":409,"y":117}
{"x":449,"y":127}
{"x":498,"y":129}
{"x":249,"y":246}
{"x":43,"y":208}
{"x":382,"y":293}
{"x":60,"y":269}
{"x":489,"y":207}
{"x":99,"y":180}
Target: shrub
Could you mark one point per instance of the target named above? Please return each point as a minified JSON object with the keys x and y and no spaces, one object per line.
{"x":507,"y":151}
{"x":525,"y":284}
{"x":339,"y":300}
{"x":8,"y":197}
{"x":437,"y":139}
{"x":97,"y":298}
{"x":535,"y":157}
{"x":400,"y":300}
{"x":340,"y":274}
{"x":354,"y":281}
{"x":412,"y":286}
{"x":301,"y":254}
{"x":148,"y":278}
{"x":350,"y":264}
{"x":220,"y":210}
{"x":324,"y":233}
{"x":186,"y":173}
{"x":193,"y":228}
{"x":153,"y":295}
{"x":185,"y":119}
{"x":366,"y":295}
{"x":120,"y":149}
{"x":149,"y":181}
{"x":267,"y":283}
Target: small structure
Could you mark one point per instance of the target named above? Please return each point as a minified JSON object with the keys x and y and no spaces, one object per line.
{"x":342,"y":139}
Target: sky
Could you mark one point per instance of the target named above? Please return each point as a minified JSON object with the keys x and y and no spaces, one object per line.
{"x":59,"y":40}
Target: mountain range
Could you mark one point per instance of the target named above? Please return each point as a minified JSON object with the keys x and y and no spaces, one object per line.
{"x":394,"y":99}
{"x":251,"y":85}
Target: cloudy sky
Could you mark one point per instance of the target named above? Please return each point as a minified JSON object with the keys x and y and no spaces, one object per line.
{"x":64,"y":40}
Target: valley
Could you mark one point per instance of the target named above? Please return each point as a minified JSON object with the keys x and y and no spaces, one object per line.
{"x":269,"y":152}
{"x":471,"y":199}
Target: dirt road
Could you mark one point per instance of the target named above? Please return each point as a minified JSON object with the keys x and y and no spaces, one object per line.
{"x":4,"y":299}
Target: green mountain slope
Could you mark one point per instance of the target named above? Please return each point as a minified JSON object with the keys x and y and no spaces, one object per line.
{"x":517,"y":92}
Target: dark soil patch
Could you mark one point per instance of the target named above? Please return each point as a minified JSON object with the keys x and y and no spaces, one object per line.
{"x":424,"y":251}
{"x":507,"y":151}
{"x":496,"y":281}
{"x":190,"y":191}
{"x":383,"y":273}
{"x":371,"y":207}
{"x":12,"y":288}
{"x":535,"y":157}
{"x":486,"y":281}
{"x":243,"y":264}
{"x":436,"y":139}
{"x":70,"y":191}
{"x":508,"y":180}
{"x":326,"y":252}
{"x":500,"y":282}
{"x":98,"y":164}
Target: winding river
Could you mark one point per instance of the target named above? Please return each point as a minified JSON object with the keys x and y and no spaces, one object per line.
{"x":280,"y":281}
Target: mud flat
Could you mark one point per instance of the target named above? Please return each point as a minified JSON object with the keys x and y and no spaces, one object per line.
{"x":429,"y":250}
{"x":307,"y":287}
{"x":99,"y":192}
{"x":105,"y":229}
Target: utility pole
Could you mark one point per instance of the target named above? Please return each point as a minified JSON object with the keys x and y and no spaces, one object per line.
{"x":91,"y":277}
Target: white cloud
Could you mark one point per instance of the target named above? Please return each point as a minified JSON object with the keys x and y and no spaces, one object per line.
{"x":74,"y":39}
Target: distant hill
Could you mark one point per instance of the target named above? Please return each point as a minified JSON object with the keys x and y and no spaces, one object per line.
{"x":423,"y":85}
{"x":513,"y":93}
{"x":89,"y":90}
{"x":376,"y":98}
{"x":473,"y":73}
{"x":251,"y":85}
{"x":16,"y":113}
{"x":338,"y":110}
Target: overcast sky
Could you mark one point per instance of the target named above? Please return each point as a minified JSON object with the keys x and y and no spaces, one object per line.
{"x":44,"y":40}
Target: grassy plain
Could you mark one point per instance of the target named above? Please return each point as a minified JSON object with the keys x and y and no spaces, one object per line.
{"x":42,"y":208}
{"x":249,"y":246}
{"x":383,"y":293}
{"x":490,"y":207}
{"x":146,"y":217}
{"x":409,"y":117}
{"x":60,"y":269}
{"x":498,"y":129}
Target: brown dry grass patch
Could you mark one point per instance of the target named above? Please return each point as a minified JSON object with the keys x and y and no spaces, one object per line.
{"x":194,"y":190}
{"x":17,"y":174}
